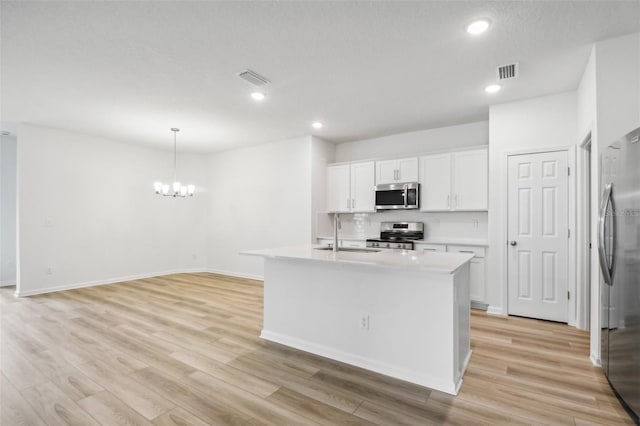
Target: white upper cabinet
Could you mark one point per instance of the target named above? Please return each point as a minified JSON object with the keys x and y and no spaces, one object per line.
{"x":435,"y":182}
{"x":470,"y":180}
{"x":399,"y":170}
{"x":350,"y":188}
{"x":338,"y":188}
{"x":455,"y":181}
{"x":363,"y":197}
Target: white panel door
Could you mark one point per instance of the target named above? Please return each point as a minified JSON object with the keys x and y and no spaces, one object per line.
{"x":386,"y":171}
{"x":338,"y":188}
{"x":435,"y":182}
{"x":470,"y":180}
{"x":538,"y":239}
{"x":363,"y":197}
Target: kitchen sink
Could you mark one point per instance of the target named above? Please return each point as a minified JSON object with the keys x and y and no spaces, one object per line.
{"x":351,"y":249}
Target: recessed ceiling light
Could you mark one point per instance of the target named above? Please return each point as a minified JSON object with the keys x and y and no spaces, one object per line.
{"x":257,"y":96}
{"x":478,"y":26}
{"x":492,"y":88}
{"x":317,"y":125}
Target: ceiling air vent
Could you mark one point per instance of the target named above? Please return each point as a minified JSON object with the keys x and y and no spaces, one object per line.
{"x":253,"y":77}
{"x":507,"y":72}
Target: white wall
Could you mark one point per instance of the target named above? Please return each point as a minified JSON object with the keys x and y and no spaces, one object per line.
{"x":259,"y":197}
{"x":543,"y":122}
{"x":586,"y":225}
{"x":617,"y":86}
{"x":87,"y":211}
{"x":322,"y":153}
{"x":7,"y":210}
{"x":452,"y":137}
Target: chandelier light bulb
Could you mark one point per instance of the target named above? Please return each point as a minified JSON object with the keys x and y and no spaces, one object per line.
{"x":175,"y":189}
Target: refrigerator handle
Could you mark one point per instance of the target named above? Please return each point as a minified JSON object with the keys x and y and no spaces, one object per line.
{"x":602,"y":253}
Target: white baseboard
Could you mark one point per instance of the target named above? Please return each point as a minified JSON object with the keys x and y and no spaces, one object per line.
{"x":496,"y":310}
{"x":105,"y":281}
{"x":236,"y":274}
{"x":366,"y":363}
{"x":595,"y":360}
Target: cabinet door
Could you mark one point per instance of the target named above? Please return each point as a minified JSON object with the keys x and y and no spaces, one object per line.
{"x":429,"y":247}
{"x":470,"y":180}
{"x":354,"y":243}
{"x":477,"y":280}
{"x":407,"y":170}
{"x":435,"y":182}
{"x":363,"y":197}
{"x":386,"y":172}
{"x":338,"y":188}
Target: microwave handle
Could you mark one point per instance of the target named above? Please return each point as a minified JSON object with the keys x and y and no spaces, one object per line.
{"x":405,"y":189}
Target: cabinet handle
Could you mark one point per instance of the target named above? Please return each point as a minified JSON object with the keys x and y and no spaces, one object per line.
{"x":448,"y":201}
{"x":395,"y":174}
{"x":353,"y":203}
{"x":348,"y":203}
{"x":455,"y":201}
{"x":399,"y":177}
{"x":429,"y":249}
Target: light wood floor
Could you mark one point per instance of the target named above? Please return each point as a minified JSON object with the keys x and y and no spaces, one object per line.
{"x":184,"y":349}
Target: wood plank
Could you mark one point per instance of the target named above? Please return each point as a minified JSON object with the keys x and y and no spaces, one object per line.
{"x":53,"y":405}
{"x":178,"y":417}
{"x":15,"y":410}
{"x":185,"y":349}
{"x":203,"y":405}
{"x":109,"y":410}
{"x":148,"y":403}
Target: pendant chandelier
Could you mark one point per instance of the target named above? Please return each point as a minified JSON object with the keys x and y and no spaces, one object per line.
{"x":176,"y":189}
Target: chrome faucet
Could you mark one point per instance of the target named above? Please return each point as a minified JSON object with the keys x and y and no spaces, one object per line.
{"x":336,"y":226}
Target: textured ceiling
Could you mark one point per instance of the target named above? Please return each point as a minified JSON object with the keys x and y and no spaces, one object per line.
{"x":131,"y":70}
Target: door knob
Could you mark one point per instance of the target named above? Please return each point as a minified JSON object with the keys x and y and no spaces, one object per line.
{"x":513,"y":243}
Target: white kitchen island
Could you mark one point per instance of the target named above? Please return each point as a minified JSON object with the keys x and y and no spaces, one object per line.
{"x":401,"y":313}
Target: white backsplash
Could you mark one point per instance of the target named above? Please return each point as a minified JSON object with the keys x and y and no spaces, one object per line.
{"x":437,"y":225}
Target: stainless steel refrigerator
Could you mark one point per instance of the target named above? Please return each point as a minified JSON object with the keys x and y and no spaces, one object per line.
{"x":619,"y":252}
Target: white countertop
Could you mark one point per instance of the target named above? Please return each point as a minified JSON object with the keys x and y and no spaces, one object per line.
{"x":454,"y":241}
{"x":437,"y":262}
{"x":429,"y":240}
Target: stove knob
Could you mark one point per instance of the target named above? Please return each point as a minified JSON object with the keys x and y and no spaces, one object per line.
{"x":388,"y":245}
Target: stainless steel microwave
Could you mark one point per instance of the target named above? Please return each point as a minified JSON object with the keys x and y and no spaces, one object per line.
{"x":396,"y":196}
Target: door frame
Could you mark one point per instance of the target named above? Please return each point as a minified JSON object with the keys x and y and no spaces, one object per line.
{"x":584,"y":220}
{"x":571,"y":253}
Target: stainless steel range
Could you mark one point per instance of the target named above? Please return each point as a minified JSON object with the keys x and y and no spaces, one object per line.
{"x":397,"y":235}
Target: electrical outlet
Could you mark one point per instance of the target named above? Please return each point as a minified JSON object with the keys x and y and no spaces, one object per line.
{"x":364,"y":322}
{"x":49,"y":270}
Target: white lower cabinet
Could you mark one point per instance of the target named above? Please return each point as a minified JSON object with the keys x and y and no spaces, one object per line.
{"x":430,"y":247}
{"x":343,"y":242}
{"x":477,"y":280}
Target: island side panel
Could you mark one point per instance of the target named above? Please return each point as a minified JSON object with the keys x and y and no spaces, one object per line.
{"x":462,"y":322}
{"x":318,"y":307}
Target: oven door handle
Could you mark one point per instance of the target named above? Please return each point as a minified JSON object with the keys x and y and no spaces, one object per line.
{"x":405,"y":189}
